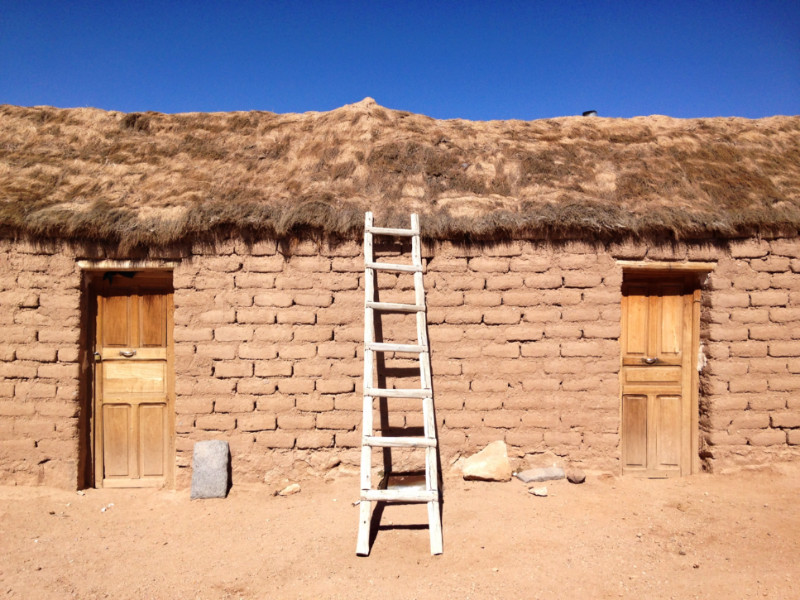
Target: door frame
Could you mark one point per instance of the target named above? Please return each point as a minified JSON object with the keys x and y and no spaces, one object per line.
{"x":695,"y":273}
{"x":93,"y":271}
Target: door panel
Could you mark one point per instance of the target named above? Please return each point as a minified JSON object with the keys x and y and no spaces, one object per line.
{"x":657,"y":337}
{"x":116,"y":442}
{"x":634,"y":430}
{"x":134,"y":397}
{"x":668,"y":432}
{"x":151,"y":439}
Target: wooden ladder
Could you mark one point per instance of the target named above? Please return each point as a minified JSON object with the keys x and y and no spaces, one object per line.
{"x":428,"y":441}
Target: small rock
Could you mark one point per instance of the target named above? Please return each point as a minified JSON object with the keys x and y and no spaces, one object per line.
{"x":541,"y":474}
{"x":576,"y":475}
{"x":490,"y":464}
{"x":292,"y":488}
{"x":538,"y":491}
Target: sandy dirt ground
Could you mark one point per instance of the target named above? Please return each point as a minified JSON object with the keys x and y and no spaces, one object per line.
{"x":706,"y":536}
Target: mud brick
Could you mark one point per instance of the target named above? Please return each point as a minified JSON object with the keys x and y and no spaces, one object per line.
{"x":749,"y":249}
{"x":747,"y":315}
{"x":234,"y":404}
{"x":602,"y":330}
{"x":771,"y":264}
{"x":256,"y":422}
{"x":784,"y":384}
{"x":769,"y":298}
{"x":747,"y":384}
{"x":531,"y":263}
{"x":582,"y":279}
{"x":338,"y":316}
{"x":750,"y":420}
{"x":788,"y":348}
{"x":315,"y":403}
{"x":502,"y":316}
{"x":255,"y":315}
{"x":483,"y":401}
{"x":212,"y":385}
{"x":314,"y":439}
{"x":296,"y":316}
{"x":772,"y":333}
{"x":275,"y":439}
{"x":256,"y":386}
{"x":272,"y":368}
{"x":483,"y":298}
{"x":296,"y":386}
{"x":309,"y":264}
{"x":313,"y":333}
{"x":523,"y":333}
{"x":562,"y":438}
{"x":256,"y":350}
{"x":545,"y":281}
{"x":336,"y":350}
{"x":215,"y":422}
{"x":527,"y":439}
{"x":489,"y":265}
{"x":769,"y":437}
{"x":541,"y":419}
{"x":296,"y":351}
{"x":510,"y":281}
{"x":789,"y":419}
{"x":239,"y":368}
{"x":193,"y":405}
{"x":335,"y":386}
{"x":463,"y":316}
{"x":350,"y":439}
{"x":217,"y":351}
{"x":34,"y":390}
{"x":273,"y":263}
{"x":273,"y":299}
{"x":727,"y":333}
{"x":274,"y":333}
{"x":315,"y":299}
{"x":339,"y":420}
{"x":506,"y":419}
{"x":730,"y":299}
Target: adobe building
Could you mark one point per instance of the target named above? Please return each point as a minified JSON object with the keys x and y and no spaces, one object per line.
{"x":617,"y":294}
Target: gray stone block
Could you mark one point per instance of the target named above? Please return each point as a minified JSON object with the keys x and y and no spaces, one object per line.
{"x":541,"y":474}
{"x":210,"y":469}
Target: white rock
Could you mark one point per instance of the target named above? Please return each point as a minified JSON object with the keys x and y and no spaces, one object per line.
{"x":538,"y":491}
{"x":490,"y":464}
{"x":292,"y":488}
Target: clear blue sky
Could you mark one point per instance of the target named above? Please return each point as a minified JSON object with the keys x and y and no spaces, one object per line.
{"x":470,"y":59}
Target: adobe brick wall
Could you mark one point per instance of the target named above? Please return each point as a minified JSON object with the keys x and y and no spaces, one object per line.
{"x":269,"y":355}
{"x":524,"y":339}
{"x":39,"y":388}
{"x":751,"y":384}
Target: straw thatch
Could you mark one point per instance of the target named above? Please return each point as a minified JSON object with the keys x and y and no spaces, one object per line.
{"x":155,"y":179}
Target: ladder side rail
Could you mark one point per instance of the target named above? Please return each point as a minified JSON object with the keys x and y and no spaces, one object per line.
{"x":365,"y":508}
{"x":431,"y":453}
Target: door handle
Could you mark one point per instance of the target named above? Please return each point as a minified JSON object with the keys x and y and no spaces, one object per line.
{"x":127,"y":353}
{"x":650,"y":361}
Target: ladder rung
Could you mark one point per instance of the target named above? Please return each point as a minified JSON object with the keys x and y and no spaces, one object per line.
{"x":380,"y":347}
{"x":399,"y":495}
{"x":394,"y":306}
{"x":399,"y":442}
{"x":390,"y":231}
{"x":390,"y":393}
{"x":378,"y":266}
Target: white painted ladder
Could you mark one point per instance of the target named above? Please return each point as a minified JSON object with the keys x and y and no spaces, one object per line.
{"x":428,"y":441}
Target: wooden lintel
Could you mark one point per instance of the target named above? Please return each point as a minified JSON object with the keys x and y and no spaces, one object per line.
{"x":126,"y":265}
{"x":641,"y":265}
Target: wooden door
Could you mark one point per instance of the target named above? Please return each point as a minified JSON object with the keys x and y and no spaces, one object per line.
{"x":134,"y":382}
{"x":658,"y":338}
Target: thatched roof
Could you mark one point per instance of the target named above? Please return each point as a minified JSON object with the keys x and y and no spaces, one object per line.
{"x":156,"y":179}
